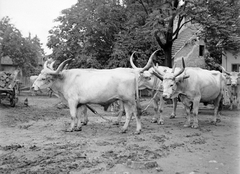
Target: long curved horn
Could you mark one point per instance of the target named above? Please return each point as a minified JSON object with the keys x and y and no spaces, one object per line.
{"x":149,"y":63}
{"x":183,"y":68}
{"x":223,"y":69}
{"x":174,"y":66}
{"x":60,"y":67}
{"x":157,"y":75}
{"x":131,"y":61}
{"x":51,"y":65}
{"x":156,"y":72}
{"x":45,"y":65}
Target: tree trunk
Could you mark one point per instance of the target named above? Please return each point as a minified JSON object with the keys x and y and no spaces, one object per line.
{"x":168,"y":55}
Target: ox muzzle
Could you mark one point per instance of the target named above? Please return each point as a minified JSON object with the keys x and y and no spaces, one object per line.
{"x":166,"y":96}
{"x":35,"y":87}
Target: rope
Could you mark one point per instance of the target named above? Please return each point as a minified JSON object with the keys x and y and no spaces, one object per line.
{"x":96,"y":113}
{"x":157,"y":91}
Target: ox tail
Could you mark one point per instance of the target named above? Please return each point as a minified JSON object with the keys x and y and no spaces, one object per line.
{"x":138,"y":107}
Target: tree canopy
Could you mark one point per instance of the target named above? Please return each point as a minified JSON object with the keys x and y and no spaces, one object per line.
{"x":220,"y":20}
{"x":103,"y":33}
{"x":25,"y":52}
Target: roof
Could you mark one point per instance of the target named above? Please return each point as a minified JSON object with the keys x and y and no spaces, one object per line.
{"x":187,"y":46}
{"x":184,"y":37}
{"x":6,"y":60}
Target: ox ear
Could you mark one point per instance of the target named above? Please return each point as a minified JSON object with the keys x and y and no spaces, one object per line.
{"x":181,"y":79}
{"x":186,"y":76}
{"x":53,"y":76}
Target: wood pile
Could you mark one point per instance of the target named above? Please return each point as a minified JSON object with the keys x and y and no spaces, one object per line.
{"x":6,"y":79}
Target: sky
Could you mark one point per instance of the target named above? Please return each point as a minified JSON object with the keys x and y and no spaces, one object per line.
{"x":34,"y":16}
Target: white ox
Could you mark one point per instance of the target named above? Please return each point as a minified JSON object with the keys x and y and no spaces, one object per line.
{"x":147,"y":80}
{"x":84,"y":86}
{"x":233,"y":88}
{"x":193,"y":85}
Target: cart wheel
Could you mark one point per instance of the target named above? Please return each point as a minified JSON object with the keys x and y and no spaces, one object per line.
{"x":12,"y":102}
{"x":13,"y":99}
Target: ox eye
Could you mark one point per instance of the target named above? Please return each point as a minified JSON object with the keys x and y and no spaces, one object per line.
{"x":43,"y":78}
{"x":171,"y":85}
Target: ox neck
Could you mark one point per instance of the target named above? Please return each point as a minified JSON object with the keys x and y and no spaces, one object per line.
{"x":58,"y":83}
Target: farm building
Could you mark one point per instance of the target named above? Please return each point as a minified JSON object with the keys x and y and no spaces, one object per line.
{"x":231,"y":61}
{"x":6,"y":64}
{"x":189,"y":46}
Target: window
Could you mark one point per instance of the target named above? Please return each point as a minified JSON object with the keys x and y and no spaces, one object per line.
{"x":201,"y":50}
{"x":235,"y":67}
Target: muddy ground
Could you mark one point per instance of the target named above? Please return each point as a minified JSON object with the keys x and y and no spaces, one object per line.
{"x":33,"y":140}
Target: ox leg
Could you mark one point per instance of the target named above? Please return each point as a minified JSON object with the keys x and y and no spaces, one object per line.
{"x":128,"y":117}
{"x":137,"y":117}
{"x":131,"y":109}
{"x":120,"y":113}
{"x":173,"y":114}
{"x":157,"y":107}
{"x":196,"y":102}
{"x":160,"y":110}
{"x":231,"y":104}
{"x":73,"y":112}
{"x":188,"y":112}
{"x":216,"y":117}
{"x":84,"y":121}
{"x":81,"y":111}
{"x":238,"y":101}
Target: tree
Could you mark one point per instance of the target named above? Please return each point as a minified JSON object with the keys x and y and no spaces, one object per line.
{"x":86,"y":32}
{"x":164,"y":19}
{"x":25,"y":52}
{"x":220,"y":20}
{"x":104,"y":33}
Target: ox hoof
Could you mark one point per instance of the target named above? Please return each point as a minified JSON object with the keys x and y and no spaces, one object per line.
{"x":160,"y":122}
{"x":186,"y":125}
{"x":69,"y":130}
{"x":84,"y":123}
{"x":194,"y":126}
{"x":154,"y":120}
{"x":213,"y":122}
{"x":218,"y":120}
{"x":137,"y":132}
{"x":122,"y":131}
{"x":172,"y":116}
{"x":78,"y":129}
{"x":116,"y":123}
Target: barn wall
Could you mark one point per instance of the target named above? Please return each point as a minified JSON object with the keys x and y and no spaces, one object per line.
{"x":190,"y":52}
{"x":228,"y":59}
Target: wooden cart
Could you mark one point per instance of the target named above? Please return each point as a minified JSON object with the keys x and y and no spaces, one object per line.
{"x":8,"y":86}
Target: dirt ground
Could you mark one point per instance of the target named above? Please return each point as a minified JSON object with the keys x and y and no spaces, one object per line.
{"x":33,"y":140}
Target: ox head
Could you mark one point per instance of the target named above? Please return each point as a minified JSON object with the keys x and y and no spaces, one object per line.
{"x":47,"y":76}
{"x":145,"y":76}
{"x":232,"y":77}
{"x":170,"y":80}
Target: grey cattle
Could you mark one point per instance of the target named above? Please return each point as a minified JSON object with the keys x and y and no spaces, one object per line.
{"x":193,"y":85}
{"x":233,"y":88}
{"x":83,"y":86}
{"x":146,"y":80}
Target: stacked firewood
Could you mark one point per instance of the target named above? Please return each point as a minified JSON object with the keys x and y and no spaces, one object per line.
{"x":5,"y":79}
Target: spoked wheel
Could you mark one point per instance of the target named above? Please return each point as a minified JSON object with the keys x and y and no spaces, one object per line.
{"x":13,"y":99}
